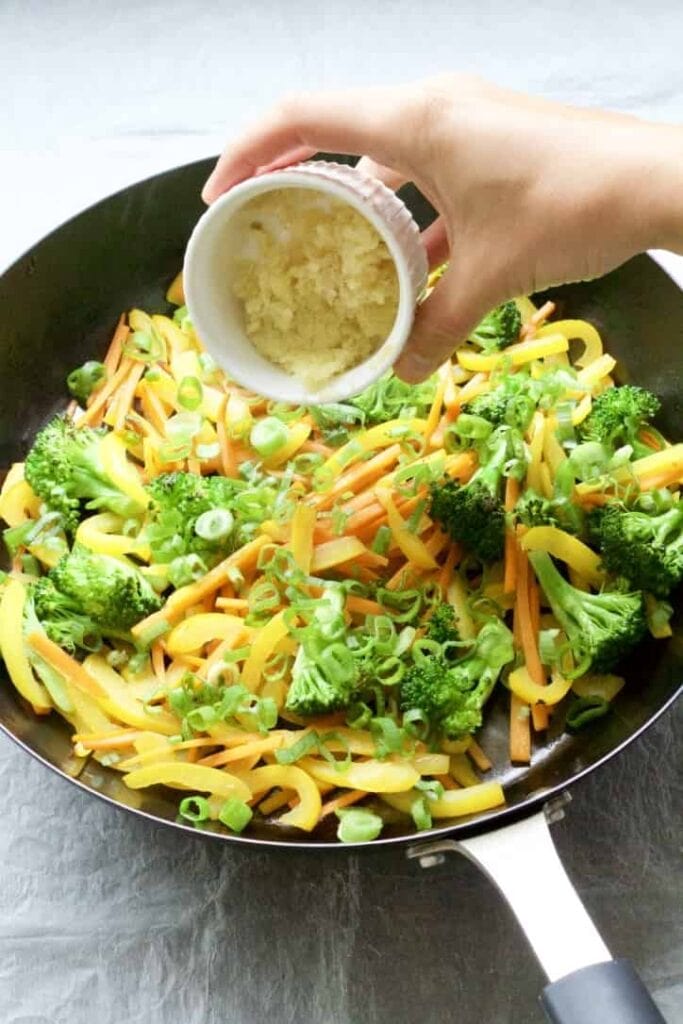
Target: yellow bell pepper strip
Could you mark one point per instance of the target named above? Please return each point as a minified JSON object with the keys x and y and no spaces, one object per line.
{"x":176,"y":292}
{"x":12,"y":647}
{"x":176,"y":340}
{"x":566,"y":547}
{"x":122,"y":472}
{"x":590,"y":375}
{"x":414,"y":549}
{"x":297,"y":434}
{"x":454,"y":803}
{"x":265,"y":642}
{"x":526,"y":308}
{"x":195,"y":777}
{"x":371,"y":776}
{"x":517,"y":355}
{"x":461,"y":770}
{"x":116,"y":699}
{"x":580,"y":329}
{"x":190,"y":635}
{"x":660,"y":628}
{"x":536,"y":435}
{"x":581,"y":410}
{"x":521,"y":684}
{"x":306,"y":814}
{"x":430,"y":764}
{"x":185,"y":597}
{"x":14,"y":474}
{"x":381,"y":436}
{"x":336,"y":552}
{"x":303,"y":524}
{"x":605,"y":686}
{"x":87,"y":716}
{"x":667,"y":463}
{"x":99,"y":533}
{"x":18,"y":503}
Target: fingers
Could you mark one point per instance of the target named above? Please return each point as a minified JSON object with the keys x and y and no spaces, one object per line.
{"x":435,"y":240}
{"x":387,"y":175}
{"x":292,"y":156}
{"x":442,"y":322}
{"x":356,"y":121}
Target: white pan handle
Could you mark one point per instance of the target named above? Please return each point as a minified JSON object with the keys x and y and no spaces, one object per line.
{"x":586,"y":985}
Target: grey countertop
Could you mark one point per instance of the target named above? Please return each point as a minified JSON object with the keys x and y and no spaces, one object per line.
{"x":107,"y":919}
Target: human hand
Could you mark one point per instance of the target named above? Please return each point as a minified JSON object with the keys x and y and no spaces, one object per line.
{"x":530,"y":193}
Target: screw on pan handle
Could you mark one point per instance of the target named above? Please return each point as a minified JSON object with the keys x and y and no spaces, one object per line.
{"x":607,"y":993}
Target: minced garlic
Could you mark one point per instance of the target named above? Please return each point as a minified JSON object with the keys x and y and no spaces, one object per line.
{"x":317,"y":284}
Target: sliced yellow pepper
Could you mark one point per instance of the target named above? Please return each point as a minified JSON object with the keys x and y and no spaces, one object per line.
{"x":566,"y":547}
{"x":372,"y":776}
{"x":176,"y":292}
{"x":580,"y":329}
{"x":523,"y":686}
{"x":18,"y":503}
{"x":517,"y":354}
{"x":14,"y":474}
{"x":189,"y":776}
{"x":263,"y":646}
{"x":238,"y":416}
{"x":190,"y":635}
{"x":100,"y":533}
{"x":335,"y":552}
{"x":414,"y":549}
{"x":461,"y":770}
{"x":116,"y":699}
{"x":298,"y":433}
{"x":537,"y":435}
{"x":381,"y":436}
{"x":122,"y":472}
{"x":303,"y":523}
{"x":431,"y":764}
{"x":526,"y":308}
{"x":176,"y":340}
{"x":12,"y":647}
{"x":306,"y":814}
{"x":581,"y":411}
{"x":605,"y":686}
{"x":457,"y":596}
{"x":590,"y":375}
{"x":454,"y":803}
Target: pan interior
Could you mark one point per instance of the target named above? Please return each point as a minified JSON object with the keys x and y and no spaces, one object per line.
{"x":59,"y":303}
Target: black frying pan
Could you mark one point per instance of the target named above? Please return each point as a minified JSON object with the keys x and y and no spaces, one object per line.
{"x":58,"y":306}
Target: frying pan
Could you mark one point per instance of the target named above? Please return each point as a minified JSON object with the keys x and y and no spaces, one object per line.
{"x":59,"y":303}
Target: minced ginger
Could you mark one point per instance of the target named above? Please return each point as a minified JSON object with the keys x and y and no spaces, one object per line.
{"x":318,"y":287}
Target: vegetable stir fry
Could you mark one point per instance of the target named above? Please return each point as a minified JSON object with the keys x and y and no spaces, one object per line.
{"x":294,"y":614}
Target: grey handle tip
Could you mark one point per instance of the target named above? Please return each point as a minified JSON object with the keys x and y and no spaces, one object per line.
{"x":608,"y":993}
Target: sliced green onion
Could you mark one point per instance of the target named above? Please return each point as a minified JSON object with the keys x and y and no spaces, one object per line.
{"x":190,"y":393}
{"x":416,"y":723}
{"x":358,"y":825}
{"x":194,"y":809}
{"x":382,"y":541}
{"x":586,"y":710}
{"x":186,"y":569}
{"x":208,"y":451}
{"x":235,"y":576}
{"x":235,"y":814}
{"x":268,"y":436}
{"x":432,"y":788}
{"x":144,"y":347}
{"x":182,"y":427}
{"x":214,"y":525}
{"x":389,"y":737}
{"x":420,"y":813}
{"x":84,"y":380}
{"x":199,"y":719}
{"x":174,"y":452}
{"x":358,"y":716}
{"x":302,"y":747}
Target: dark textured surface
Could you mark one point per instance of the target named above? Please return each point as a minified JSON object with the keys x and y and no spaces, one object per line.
{"x":210,"y":933}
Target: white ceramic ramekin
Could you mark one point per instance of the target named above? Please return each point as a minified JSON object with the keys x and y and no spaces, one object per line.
{"x":215,"y":311}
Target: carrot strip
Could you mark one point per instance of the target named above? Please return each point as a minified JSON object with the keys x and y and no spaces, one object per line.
{"x":126,"y":394}
{"x":520,"y":734}
{"x":113,"y":356}
{"x":447,"y":782}
{"x":478,"y":756}
{"x":274,"y":802}
{"x":510,"y":577}
{"x":64,"y":664}
{"x":92,"y":417}
{"x":446,"y":570}
{"x":350,"y":796}
{"x":113,"y":742}
{"x":359,"y":477}
{"x":232,"y":604}
{"x":435,"y":411}
{"x":152,"y":407}
{"x":528,"y":607}
{"x":158,"y":663}
{"x":237,"y":753}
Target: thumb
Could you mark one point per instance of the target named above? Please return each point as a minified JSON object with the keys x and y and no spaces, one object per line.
{"x":442,"y":323}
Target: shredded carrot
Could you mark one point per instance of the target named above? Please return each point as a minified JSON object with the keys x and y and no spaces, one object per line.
{"x":520,"y":733}
{"x":64,"y":664}
{"x":92,"y":417}
{"x":478,"y":756}
{"x":542,"y":314}
{"x":510,"y":577}
{"x":273,"y":803}
{"x":232,"y":604}
{"x":113,"y":356}
{"x":113,"y":742}
{"x":527,"y":606}
{"x":158,"y":663}
{"x":446,"y":570}
{"x":447,"y":782}
{"x":261,"y":746}
{"x":359,"y":477}
{"x":345,"y":799}
{"x":126,"y":393}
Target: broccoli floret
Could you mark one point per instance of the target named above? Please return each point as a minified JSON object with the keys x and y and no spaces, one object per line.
{"x":320,"y":685}
{"x":533,"y":509}
{"x":63,"y":619}
{"x":618,"y":415}
{"x":108,"y":590}
{"x":178,"y":500}
{"x":452,"y":695}
{"x":390,"y":397}
{"x":646,"y":550}
{"x":499,"y":328}
{"x":441,"y":627}
{"x":473,"y":513}
{"x":600,"y":628}
{"x":513,"y":401}
{"x":64,"y":468}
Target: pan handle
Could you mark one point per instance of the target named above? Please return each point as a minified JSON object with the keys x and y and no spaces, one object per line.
{"x":586,"y":985}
